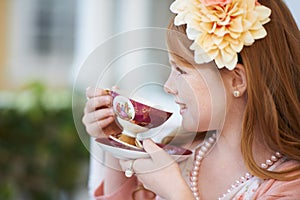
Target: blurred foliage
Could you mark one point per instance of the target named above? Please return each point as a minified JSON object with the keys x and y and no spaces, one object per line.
{"x":41,"y":155}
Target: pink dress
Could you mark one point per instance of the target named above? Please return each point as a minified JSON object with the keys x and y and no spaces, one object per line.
{"x":254,"y":188}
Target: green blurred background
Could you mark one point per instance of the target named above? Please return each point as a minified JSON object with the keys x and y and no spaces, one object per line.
{"x":41,"y":155}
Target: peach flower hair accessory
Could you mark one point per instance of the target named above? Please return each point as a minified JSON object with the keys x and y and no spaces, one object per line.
{"x":221,"y":28}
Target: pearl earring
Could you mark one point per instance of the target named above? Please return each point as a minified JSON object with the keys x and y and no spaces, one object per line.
{"x":236,"y":93}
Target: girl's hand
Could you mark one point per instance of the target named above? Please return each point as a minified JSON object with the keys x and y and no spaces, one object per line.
{"x":159,"y":173}
{"x":98,"y":115}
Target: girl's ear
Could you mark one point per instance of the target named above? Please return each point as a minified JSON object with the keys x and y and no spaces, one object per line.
{"x":238,"y":80}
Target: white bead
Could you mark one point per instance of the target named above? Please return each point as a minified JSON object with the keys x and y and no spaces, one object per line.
{"x":193,"y":179}
{"x":195,"y":194}
{"x":207,"y":144}
{"x":274,"y":158}
{"x":201,"y":153}
{"x":247,"y":176}
{"x":236,"y":93}
{"x":278,"y":155}
{"x":194,"y":173}
{"x":129,"y":173}
{"x":193,"y":184}
{"x":269,"y":162}
{"x":264,"y":166}
{"x":242,"y":179}
{"x":211,"y":140}
{"x":197,"y":163}
{"x":199,"y":158}
{"x":204,"y":149}
{"x":194,"y":189}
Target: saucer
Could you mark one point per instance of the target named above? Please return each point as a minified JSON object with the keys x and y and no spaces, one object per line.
{"x":124,"y":152}
{"x":126,"y":144}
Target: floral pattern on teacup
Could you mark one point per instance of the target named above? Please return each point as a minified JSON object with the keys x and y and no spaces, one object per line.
{"x":123,"y":108}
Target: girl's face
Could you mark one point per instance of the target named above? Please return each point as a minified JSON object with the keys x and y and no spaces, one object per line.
{"x":200,"y":93}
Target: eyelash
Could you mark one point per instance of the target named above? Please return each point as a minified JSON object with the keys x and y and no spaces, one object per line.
{"x":180,"y":70}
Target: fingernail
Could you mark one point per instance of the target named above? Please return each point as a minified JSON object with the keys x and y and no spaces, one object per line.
{"x":107,"y":91}
{"x":115,"y":87}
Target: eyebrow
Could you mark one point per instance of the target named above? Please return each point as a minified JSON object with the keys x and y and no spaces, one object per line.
{"x":172,"y":62}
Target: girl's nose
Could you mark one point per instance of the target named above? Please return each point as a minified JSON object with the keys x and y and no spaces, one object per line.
{"x":169,"y":87}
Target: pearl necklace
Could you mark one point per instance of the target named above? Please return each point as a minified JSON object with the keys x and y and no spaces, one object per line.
{"x":199,"y":157}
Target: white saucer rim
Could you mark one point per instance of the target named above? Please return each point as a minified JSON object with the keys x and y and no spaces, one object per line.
{"x":134,"y":154}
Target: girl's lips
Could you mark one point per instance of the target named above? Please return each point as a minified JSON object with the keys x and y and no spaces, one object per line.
{"x":182,"y":106}
{"x":182,"y":110}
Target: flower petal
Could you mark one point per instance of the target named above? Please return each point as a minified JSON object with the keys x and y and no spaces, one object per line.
{"x":258,"y":34}
{"x":236,"y":25}
{"x":247,"y":38}
{"x":263,"y":12}
{"x":192,"y":33}
{"x":220,"y":28}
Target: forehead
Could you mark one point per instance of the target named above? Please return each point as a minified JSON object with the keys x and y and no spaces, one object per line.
{"x":182,"y":62}
{"x":177,"y":60}
{"x":206,"y":71}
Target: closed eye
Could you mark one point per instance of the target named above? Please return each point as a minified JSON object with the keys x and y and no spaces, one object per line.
{"x":180,"y":70}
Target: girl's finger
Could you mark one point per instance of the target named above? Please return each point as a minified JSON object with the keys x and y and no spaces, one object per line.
{"x":154,"y":151}
{"x":95,"y":129}
{"x":98,"y":115}
{"x":92,"y":92}
{"x":97,"y":102}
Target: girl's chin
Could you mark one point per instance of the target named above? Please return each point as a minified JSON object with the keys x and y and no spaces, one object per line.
{"x":189,"y":126}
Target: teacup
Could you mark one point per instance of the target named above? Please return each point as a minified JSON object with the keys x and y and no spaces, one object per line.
{"x":135,"y":117}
